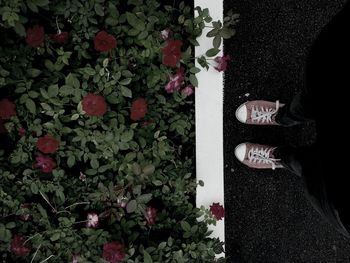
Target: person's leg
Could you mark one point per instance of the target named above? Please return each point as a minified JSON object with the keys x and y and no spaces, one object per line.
{"x":260,"y":112}
{"x":305,"y":163}
{"x":300,"y":109}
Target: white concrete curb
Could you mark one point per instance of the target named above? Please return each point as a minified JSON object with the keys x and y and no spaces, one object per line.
{"x":209,"y":124}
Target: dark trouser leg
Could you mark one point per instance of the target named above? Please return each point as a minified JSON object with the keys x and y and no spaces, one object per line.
{"x":305,"y":162}
{"x":300,"y":109}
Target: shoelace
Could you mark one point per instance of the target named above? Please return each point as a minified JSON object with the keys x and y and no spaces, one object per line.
{"x":264,"y":114}
{"x":256,"y":155}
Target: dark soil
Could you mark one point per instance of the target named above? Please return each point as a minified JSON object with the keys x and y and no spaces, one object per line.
{"x":268,"y":219}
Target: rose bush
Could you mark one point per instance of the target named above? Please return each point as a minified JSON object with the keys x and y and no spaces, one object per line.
{"x":97,"y":131}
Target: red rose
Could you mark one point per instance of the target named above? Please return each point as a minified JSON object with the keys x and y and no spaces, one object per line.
{"x":47,"y":144}
{"x":45,"y":163}
{"x":138,"y":109}
{"x":150,"y":215}
{"x":113,"y":252}
{"x":222,"y":62}
{"x":18,"y":246}
{"x":60,"y":37}
{"x":172,"y":53}
{"x":7,"y":109}
{"x":94,"y":105}
{"x":35,"y":36}
{"x":217,"y":210}
{"x":104,"y":42}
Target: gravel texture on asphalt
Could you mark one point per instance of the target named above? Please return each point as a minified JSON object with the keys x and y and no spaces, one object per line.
{"x":268,"y":219}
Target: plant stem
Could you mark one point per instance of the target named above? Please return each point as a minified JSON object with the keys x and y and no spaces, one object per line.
{"x":36,"y":252}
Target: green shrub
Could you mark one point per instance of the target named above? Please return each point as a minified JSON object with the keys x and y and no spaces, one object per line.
{"x":97,"y":131}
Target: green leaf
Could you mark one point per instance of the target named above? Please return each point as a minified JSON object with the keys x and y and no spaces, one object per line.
{"x":33,"y":72}
{"x":147,"y":257}
{"x":194,"y":80}
{"x":126,"y":81}
{"x":144,"y":199}
{"x":46,"y":106}
{"x":212,"y":52}
{"x":32,"y":6}
{"x":41,"y":3}
{"x":181,"y":19}
{"x":135,"y":22}
{"x":42,"y":211}
{"x":90,"y":172}
{"x":20,"y":30}
{"x":127,"y":136}
{"x":94,"y":163}
{"x":20,"y":90}
{"x":126,"y":92}
{"x":157,"y":182}
{"x":133,"y":32}
{"x":72,"y":81}
{"x":105,"y":62}
{"x":136,"y":168}
{"x":5,"y":234}
{"x":75,"y":117}
{"x":227,"y":33}
{"x":195,"y":70}
{"x":112,"y":21}
{"x":66,"y":90}
{"x":217,"y":41}
{"x":185,"y":226}
{"x":55,"y":236}
{"x":31,"y":106}
{"x":71,"y":161}
{"x":10,"y":225}
{"x":131,"y":206}
{"x":148,"y":169}
{"x":99,"y":10}
{"x":217,"y":24}
{"x":53,"y":91}
{"x":34,"y":188}
{"x":213,"y":32}
{"x":33,"y":94}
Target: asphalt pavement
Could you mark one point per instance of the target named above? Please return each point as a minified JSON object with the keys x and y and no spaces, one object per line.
{"x":268,"y":219}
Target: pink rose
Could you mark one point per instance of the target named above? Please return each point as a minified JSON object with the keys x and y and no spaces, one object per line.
{"x":45,"y":163}
{"x":188,"y":91}
{"x":92,"y":220}
{"x":175,"y":81}
{"x":221,"y":63}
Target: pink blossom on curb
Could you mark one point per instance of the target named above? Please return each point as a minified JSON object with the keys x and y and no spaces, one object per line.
{"x":92,"y":220}
{"x":188,"y":91}
{"x":221,"y":62}
{"x":175,"y":81}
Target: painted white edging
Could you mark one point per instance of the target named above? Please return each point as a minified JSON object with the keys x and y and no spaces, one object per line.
{"x":209,"y":124}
